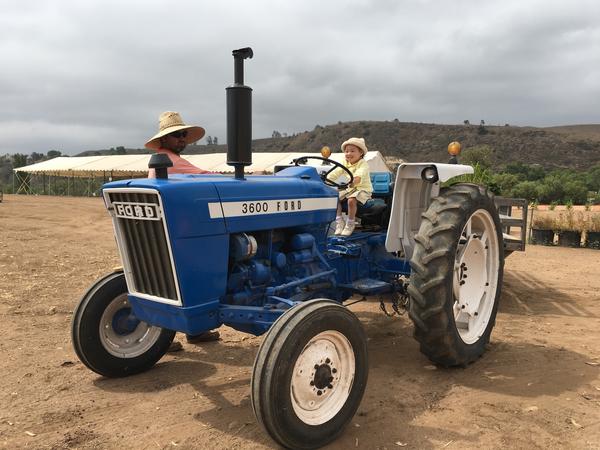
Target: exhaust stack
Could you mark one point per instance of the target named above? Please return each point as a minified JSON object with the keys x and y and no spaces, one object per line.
{"x":239,"y":116}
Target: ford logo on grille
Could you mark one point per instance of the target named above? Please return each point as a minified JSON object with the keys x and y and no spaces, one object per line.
{"x":133,"y":210}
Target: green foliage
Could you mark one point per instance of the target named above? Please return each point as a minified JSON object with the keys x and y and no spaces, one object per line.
{"x":575,"y":192}
{"x":35,"y":157}
{"x":481,"y":175}
{"x":480,"y":155}
{"x":551,"y":189}
{"x":53,"y":154}
{"x":592,"y":178}
{"x":563,"y":187}
{"x":524,"y":189}
{"x":507,"y":182}
{"x":525,"y":171}
{"x":19,"y":160}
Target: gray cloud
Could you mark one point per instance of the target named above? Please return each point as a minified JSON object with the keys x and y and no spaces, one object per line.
{"x":80,"y":75}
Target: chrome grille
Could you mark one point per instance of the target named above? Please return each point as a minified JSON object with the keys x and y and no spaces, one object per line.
{"x":145,"y":243}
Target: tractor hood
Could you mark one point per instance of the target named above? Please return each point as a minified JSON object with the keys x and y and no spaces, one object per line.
{"x":201,"y":205}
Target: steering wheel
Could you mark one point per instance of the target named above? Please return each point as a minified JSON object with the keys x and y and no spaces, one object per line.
{"x":324,"y":175}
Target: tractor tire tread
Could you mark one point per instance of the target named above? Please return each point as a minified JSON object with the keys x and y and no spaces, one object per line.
{"x":430,"y":288}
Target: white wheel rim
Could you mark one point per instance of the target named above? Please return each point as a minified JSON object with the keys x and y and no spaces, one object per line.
{"x":322,"y":378}
{"x":475,"y":278}
{"x":129,"y":345}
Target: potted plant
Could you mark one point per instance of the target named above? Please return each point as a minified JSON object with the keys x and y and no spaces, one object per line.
{"x":569,"y":227}
{"x":542,"y":229}
{"x":593,"y":232}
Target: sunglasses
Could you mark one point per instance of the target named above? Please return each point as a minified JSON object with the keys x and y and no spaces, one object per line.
{"x":179,"y":134}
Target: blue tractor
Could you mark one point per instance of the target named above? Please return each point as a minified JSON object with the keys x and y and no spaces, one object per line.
{"x":255,"y":253}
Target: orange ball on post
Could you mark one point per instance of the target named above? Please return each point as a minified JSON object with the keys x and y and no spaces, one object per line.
{"x":454,"y":148}
{"x":325,"y":151}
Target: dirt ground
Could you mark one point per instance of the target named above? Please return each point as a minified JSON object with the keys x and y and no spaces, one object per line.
{"x":538,"y":385}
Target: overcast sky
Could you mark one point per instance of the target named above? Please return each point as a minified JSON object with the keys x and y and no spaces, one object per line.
{"x":88,"y":74}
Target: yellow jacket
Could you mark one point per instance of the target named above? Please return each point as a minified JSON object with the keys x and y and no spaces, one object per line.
{"x":360,"y":169}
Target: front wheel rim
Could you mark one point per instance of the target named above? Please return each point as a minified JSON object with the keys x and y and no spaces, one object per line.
{"x":475,"y":277}
{"x":125,"y":343}
{"x":322,"y":377}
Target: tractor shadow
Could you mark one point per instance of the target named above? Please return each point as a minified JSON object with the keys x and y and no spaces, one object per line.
{"x":220,"y":382}
{"x":406,"y":391}
{"x":526,"y":294}
{"x":404,"y":388}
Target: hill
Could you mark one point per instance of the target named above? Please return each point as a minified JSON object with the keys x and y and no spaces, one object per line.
{"x":576,"y":146}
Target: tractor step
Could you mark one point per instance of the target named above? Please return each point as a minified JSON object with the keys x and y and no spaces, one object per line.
{"x":368,"y":286}
{"x":505,"y":209}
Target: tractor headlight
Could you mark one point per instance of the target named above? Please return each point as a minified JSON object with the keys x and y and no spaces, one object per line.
{"x":430,"y":174}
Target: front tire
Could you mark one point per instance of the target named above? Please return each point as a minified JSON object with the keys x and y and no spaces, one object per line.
{"x":310,"y":374}
{"x":107,"y":336}
{"x":456,"y":278}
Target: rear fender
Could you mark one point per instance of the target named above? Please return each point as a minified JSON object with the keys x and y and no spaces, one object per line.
{"x":412,"y":196}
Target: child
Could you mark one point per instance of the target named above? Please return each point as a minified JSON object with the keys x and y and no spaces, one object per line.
{"x":360,"y":190}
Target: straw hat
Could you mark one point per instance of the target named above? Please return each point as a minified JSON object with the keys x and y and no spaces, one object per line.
{"x":171,"y":121}
{"x":359,"y":142}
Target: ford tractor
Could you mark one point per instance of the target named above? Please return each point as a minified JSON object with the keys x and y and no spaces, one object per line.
{"x":256,"y":253}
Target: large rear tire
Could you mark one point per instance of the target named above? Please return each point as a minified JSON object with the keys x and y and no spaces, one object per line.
{"x":107,"y":336}
{"x":456,"y":278}
{"x":310,"y":374}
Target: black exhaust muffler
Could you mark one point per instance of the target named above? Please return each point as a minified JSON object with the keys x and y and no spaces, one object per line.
{"x":239,"y":116}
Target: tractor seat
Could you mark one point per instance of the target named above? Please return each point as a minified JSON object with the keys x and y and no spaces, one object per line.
{"x":372,"y":207}
{"x":375,"y":206}
{"x":381,"y":182}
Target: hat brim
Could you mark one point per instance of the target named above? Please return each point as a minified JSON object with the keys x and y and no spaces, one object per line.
{"x":194,"y":134}
{"x":363,"y":149}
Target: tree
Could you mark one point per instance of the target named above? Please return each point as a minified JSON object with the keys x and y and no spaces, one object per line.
{"x":551,"y":189}
{"x":19,"y":160}
{"x":524,"y":189}
{"x":276,"y":134}
{"x":592,"y":178}
{"x":209,"y":140}
{"x":35,"y":156}
{"x":481,"y":154}
{"x":466,"y":122}
{"x":121,"y":150}
{"x":216,"y":140}
{"x":506,"y":182}
{"x":530,"y":172}
{"x":482,"y":129}
{"x":53,"y":154}
{"x":575,"y":192}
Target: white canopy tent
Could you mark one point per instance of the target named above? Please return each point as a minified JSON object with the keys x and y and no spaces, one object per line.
{"x":123,"y":165}
{"x":85,"y":174}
